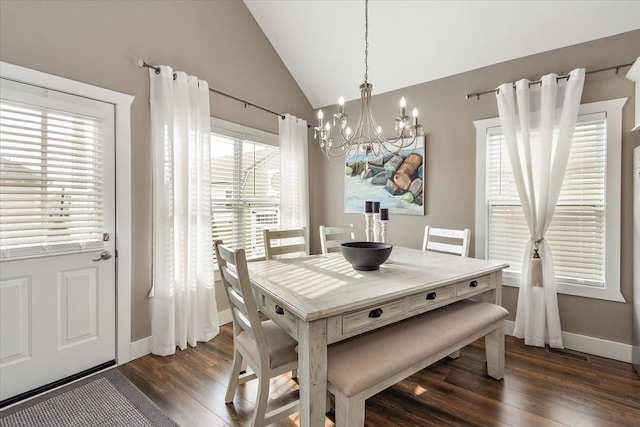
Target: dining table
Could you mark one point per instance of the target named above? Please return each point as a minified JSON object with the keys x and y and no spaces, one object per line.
{"x":321,"y":299}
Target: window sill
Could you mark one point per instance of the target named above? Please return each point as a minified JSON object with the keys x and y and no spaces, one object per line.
{"x":602,"y":293}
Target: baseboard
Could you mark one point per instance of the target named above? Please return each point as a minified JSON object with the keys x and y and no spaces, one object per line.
{"x":143,"y":347}
{"x":140,"y":348}
{"x":224,"y":317}
{"x":590,"y":345}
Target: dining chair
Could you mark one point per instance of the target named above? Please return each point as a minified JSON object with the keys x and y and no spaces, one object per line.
{"x":267,"y":349}
{"x":443,"y":236}
{"x":285,"y":242}
{"x":331,"y":237}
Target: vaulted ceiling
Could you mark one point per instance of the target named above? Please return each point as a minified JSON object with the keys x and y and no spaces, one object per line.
{"x":321,"y":42}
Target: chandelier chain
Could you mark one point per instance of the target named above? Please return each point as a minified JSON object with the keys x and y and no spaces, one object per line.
{"x":366,"y":41}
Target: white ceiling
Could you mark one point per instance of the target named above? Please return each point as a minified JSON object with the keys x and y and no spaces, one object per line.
{"x":321,"y":42}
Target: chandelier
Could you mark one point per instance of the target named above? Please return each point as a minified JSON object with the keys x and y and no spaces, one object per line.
{"x":367,"y":137}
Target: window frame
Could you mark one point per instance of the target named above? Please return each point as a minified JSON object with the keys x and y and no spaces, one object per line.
{"x":238,"y":131}
{"x":611,"y":289}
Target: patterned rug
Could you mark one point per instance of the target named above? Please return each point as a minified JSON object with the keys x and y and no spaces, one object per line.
{"x":104,"y":399}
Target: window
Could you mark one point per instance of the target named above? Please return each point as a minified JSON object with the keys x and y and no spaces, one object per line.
{"x":584,"y":234}
{"x":245,"y":185}
{"x":51,"y":174}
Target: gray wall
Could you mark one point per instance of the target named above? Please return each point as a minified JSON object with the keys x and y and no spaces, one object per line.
{"x":100,"y":42}
{"x":448,"y":118}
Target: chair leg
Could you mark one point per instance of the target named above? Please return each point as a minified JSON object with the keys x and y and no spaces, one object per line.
{"x":234,"y":377}
{"x":261,"y":400}
{"x":494,"y":349}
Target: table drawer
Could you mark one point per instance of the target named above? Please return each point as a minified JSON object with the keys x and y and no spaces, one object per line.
{"x":425,"y":299}
{"x":280,"y":315}
{"x":371,"y":316}
{"x":474,"y":286}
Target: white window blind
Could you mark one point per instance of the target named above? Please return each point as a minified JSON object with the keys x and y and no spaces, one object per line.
{"x":245,"y":191}
{"x":51,"y":177}
{"x":577,"y":231}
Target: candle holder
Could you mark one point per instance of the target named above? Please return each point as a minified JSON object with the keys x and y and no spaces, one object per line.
{"x":383,"y":232}
{"x":368,"y":226}
{"x":376,"y":227}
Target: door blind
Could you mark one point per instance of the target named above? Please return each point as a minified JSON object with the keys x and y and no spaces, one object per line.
{"x":577,"y":232}
{"x":245,"y":192}
{"x":50,"y":180}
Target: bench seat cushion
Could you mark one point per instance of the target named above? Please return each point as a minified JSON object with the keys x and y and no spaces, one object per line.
{"x":356,"y":364}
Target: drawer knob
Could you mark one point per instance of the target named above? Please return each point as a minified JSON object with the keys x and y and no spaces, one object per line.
{"x":375,"y":313}
{"x":473,"y":283}
{"x":431,"y":295}
{"x":279,"y":310}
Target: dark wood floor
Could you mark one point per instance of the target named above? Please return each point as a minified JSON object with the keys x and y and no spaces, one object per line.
{"x":539,"y":389}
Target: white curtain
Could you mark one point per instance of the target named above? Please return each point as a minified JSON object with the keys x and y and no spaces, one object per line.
{"x":184,"y":308}
{"x":294,"y":173}
{"x":538,"y":122}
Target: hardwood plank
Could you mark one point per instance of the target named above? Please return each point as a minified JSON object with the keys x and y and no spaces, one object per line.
{"x":538,"y":389}
{"x":178,"y":405}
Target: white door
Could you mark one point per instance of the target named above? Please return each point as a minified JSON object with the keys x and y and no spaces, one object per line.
{"x":57,"y":236}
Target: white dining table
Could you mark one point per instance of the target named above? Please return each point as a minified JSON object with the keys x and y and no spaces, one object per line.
{"x":321,"y":299}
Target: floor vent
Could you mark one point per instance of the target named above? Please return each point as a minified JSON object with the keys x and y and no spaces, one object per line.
{"x":569,"y":354}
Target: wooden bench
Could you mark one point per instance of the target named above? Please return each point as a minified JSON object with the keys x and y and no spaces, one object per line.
{"x":363,"y":366}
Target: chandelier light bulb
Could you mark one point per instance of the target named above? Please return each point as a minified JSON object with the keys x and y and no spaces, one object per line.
{"x":341,"y":105}
{"x":327,"y":126}
{"x":320,"y":114}
{"x":348,"y":132}
{"x":415,"y":116}
{"x":403,"y":102}
{"x":379,"y":130}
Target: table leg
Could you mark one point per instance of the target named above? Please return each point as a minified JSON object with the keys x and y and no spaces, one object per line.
{"x":312,"y":371}
{"x":494,"y":296}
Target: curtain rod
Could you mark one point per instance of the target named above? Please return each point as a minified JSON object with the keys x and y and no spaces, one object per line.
{"x":143,"y":64}
{"x":477,"y":95}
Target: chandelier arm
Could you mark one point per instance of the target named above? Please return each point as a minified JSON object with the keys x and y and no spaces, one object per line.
{"x":367,"y":137}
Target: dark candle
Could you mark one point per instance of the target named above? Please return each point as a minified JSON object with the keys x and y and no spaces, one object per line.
{"x":376,"y":207}
{"x":384,"y":214}
{"x":368,"y":206}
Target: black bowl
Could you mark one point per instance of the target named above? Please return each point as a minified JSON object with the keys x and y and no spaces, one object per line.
{"x":366,"y":256}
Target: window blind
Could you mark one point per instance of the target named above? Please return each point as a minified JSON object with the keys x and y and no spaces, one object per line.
{"x":245,"y":191}
{"x":51,"y":179}
{"x":577,"y":231}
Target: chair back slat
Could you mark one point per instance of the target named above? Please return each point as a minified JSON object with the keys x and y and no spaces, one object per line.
{"x":237,"y":302}
{"x":284,"y":242}
{"x":445,"y":247}
{"x":244,"y":322}
{"x":288,"y":249}
{"x":244,"y":311}
{"x":332,"y":237}
{"x":458,"y":248}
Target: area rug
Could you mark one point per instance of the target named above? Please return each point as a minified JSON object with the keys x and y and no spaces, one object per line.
{"x":104,"y":399}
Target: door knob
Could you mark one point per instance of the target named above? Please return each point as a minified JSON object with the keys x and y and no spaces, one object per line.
{"x":105,"y":255}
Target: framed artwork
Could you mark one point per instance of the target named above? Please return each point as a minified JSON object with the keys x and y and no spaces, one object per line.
{"x":396,"y":181}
